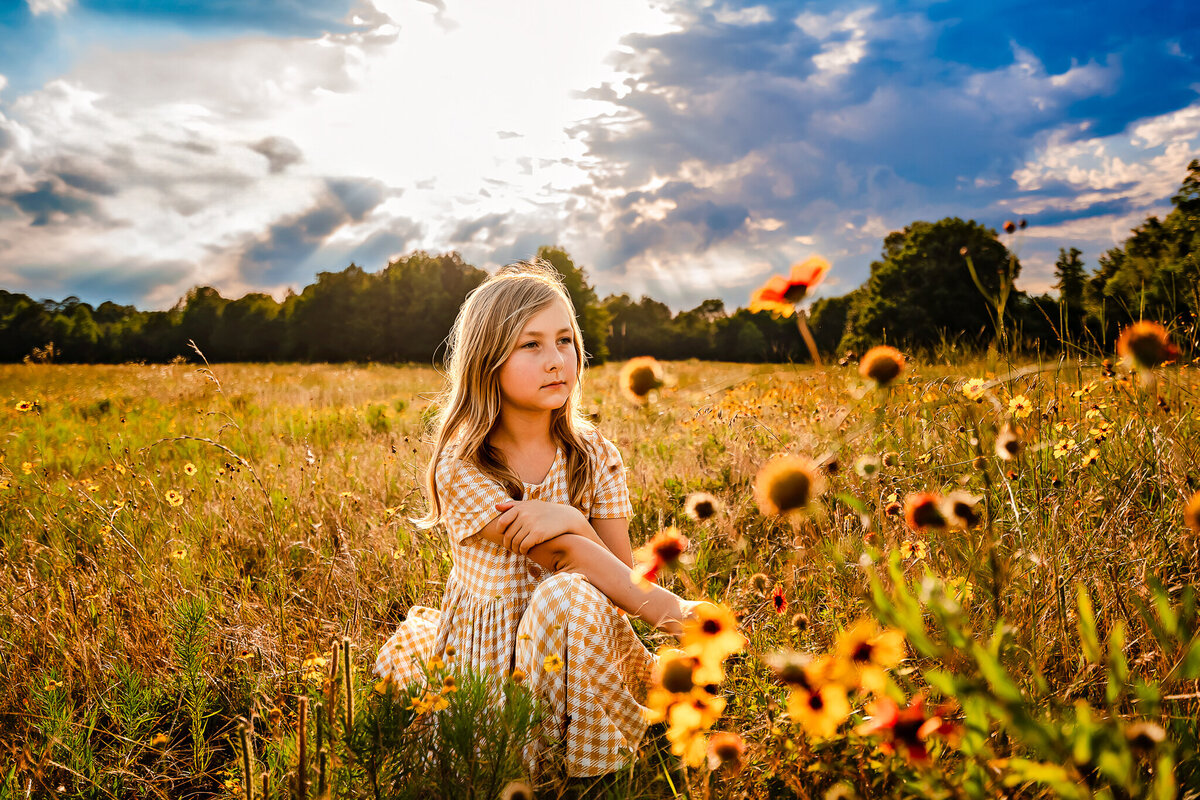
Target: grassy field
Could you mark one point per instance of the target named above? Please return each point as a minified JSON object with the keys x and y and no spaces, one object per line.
{"x":182,"y":547}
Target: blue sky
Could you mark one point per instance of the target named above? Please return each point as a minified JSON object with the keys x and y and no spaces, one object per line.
{"x":683,"y":150}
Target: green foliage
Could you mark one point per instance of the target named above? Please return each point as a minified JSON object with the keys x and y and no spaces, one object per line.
{"x":189,"y":637}
{"x":592,"y":315}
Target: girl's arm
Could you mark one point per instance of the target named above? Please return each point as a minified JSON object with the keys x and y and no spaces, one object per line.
{"x":614,"y":533}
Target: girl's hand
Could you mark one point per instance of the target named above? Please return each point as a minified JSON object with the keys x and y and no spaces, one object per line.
{"x":528,"y":523}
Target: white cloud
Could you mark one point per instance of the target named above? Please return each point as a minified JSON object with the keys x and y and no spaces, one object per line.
{"x":55,"y":7}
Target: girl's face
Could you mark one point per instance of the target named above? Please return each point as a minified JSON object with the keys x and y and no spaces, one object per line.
{"x":542,"y":370}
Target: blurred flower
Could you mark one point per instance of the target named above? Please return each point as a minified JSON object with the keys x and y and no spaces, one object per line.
{"x":1010,"y":226}
{"x":24,"y":406}
{"x":1144,"y":736}
{"x":663,"y":550}
{"x":711,"y":636}
{"x":189,"y":468}
{"x":1008,"y":443}
{"x":867,"y":466}
{"x":915,"y":549}
{"x":1145,"y":345}
{"x":639,"y":377}
{"x":688,"y":721}
{"x":52,"y":684}
{"x":787,"y":484}
{"x":881,"y":364}
{"x":819,"y":708}
{"x":923,"y":510}
{"x":780,"y":295}
{"x":908,"y":727}
{"x":701,"y":505}
{"x":974,"y":389}
{"x":726,"y":749}
{"x":959,"y":509}
{"x":517,"y":790}
{"x":1191,"y":513}
{"x":553,"y":663}
{"x":27,"y":467}
{"x":178,"y":554}
{"x":174,"y":498}
{"x":1020,"y":407}
{"x":449,"y":684}
{"x":245,"y":654}
{"x":159,"y":739}
{"x":759,"y":582}
{"x":1092,"y":457}
{"x":1062,"y":447}
{"x":863,"y":653}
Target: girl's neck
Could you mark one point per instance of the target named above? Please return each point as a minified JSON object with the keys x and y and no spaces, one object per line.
{"x":516,"y":431}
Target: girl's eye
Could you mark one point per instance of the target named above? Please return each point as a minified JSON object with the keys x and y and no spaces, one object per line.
{"x":566,"y":340}
{"x":529,"y":344}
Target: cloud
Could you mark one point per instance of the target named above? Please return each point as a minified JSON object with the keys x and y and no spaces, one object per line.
{"x":280,"y":152}
{"x":54,"y":7}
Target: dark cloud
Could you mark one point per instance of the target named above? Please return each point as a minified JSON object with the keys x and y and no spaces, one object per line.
{"x":127,"y":281}
{"x":50,"y":201}
{"x":494,"y":224}
{"x":280,"y":152}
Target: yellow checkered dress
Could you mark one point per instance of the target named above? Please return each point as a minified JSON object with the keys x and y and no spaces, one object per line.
{"x":499,"y":613}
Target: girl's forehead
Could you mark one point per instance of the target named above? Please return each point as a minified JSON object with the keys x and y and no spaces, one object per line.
{"x":550,"y":319}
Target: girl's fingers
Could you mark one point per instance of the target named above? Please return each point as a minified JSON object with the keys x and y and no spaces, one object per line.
{"x":505,"y":505}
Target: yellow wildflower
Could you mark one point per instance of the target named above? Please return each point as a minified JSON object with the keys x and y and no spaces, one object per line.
{"x":553,"y":663}
{"x":974,"y":389}
{"x":174,"y":498}
{"x":1020,"y":407}
{"x":189,"y":468}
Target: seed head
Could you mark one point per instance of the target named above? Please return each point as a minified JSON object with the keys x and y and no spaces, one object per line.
{"x":1010,"y":226}
{"x":517,"y":790}
{"x":881,"y":364}
{"x":725,"y":749}
{"x":786,"y":485}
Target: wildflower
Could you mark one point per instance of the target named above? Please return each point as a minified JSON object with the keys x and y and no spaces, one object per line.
{"x":778,"y":601}
{"x":553,"y":663}
{"x":675,"y":672}
{"x":961,"y":588}
{"x":863,"y":653}
{"x":178,"y":554}
{"x":881,"y":364}
{"x":701,"y":506}
{"x":435,"y":664}
{"x":245,"y":654}
{"x":1144,"y":736}
{"x":518,"y":675}
{"x":923,"y":510}
{"x":345,"y":494}
{"x":189,"y":468}
{"x":1101,"y":431}
{"x":711,"y":636}
{"x":27,"y":467}
{"x":449,"y":685}
{"x":800,"y":621}
{"x":52,"y":684}
{"x":867,"y":466}
{"x":915,"y":549}
{"x":1145,"y":345}
{"x":639,"y":377}
{"x":688,"y":721}
{"x":661,"y":551}
{"x":959,"y":510}
{"x":726,"y":749}
{"x":24,"y":406}
{"x":1020,"y":407}
{"x":1092,"y":457}
{"x":390,"y":512}
{"x":780,"y":295}
{"x":451,"y":651}
{"x":1062,"y":447}
{"x":517,"y":790}
{"x":159,"y":739}
{"x":819,"y":709}
{"x":1191,"y":513}
{"x":787,"y":484}
{"x":907,"y":727}
{"x":382,"y":688}
{"x":1008,"y":443}
{"x":174,"y":498}
{"x":974,"y":389}
{"x":795,"y":669}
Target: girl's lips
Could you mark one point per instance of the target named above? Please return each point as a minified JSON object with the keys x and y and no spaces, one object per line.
{"x":556,"y":383}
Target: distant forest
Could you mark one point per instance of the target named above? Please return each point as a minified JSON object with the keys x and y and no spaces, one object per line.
{"x":919,"y":295}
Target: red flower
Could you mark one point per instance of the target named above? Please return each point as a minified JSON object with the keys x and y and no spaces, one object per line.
{"x":778,"y":600}
{"x":907,"y":727}
{"x":780,"y":295}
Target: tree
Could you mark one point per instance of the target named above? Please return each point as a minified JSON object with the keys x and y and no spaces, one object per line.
{"x":591,"y":314}
{"x":921,"y":290}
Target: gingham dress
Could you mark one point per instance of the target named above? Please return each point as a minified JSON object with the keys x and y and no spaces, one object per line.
{"x":499,"y":613}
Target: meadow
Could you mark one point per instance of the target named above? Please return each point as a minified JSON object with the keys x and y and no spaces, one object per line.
{"x":193,"y":556}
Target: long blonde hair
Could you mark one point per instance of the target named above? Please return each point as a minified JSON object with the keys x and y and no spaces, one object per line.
{"x":484,"y":335}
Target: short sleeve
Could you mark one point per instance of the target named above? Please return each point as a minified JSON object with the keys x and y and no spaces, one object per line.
{"x":468,"y":497}
{"x":611,"y":497}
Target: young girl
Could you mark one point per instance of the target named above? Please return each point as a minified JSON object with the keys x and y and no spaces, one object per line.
{"x":537,"y":510}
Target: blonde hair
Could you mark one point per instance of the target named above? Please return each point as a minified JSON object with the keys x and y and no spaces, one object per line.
{"x":484,"y":335}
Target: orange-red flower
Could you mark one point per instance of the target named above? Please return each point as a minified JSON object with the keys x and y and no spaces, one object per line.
{"x":780,"y":295}
{"x":778,"y":601}
{"x":661,"y":551}
{"x":1145,"y":345}
{"x":923,"y":510}
{"x":881,"y":364}
{"x":909,"y":727}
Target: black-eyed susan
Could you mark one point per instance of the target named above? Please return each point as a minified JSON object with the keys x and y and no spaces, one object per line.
{"x":711,"y":636}
{"x":1146,"y":345}
{"x":787,"y":485}
{"x":701,"y":506}
{"x":1092,"y":456}
{"x":961,"y":510}
{"x":174,"y":498}
{"x":52,"y":684}
{"x":913,"y":550}
{"x":1063,"y":447}
{"x":1191,"y":513}
{"x":24,"y":406}
{"x":923,"y":510}
{"x":726,"y":751}
{"x":819,"y":709}
{"x":663,"y":550}
{"x":553,"y":663}
{"x":975,"y":389}
{"x":881,"y":364}
{"x":189,"y":469}
{"x":1019,"y":406}
{"x":688,"y":721}
{"x":1008,"y":443}
{"x":178,"y":554}
{"x":517,"y":790}
{"x":863,"y":653}
{"x":640,"y":378}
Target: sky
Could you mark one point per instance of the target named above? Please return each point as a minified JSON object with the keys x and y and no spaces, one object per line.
{"x":682,"y":150}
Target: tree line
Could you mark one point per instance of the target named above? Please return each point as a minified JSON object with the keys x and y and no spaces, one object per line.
{"x":920,"y":294}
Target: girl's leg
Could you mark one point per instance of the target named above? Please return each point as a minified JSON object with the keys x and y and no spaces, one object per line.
{"x":583,"y":659}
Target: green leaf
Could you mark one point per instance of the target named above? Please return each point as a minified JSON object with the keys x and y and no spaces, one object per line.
{"x":1087,"y":627}
{"x":1056,"y":777}
{"x":852,"y":501}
